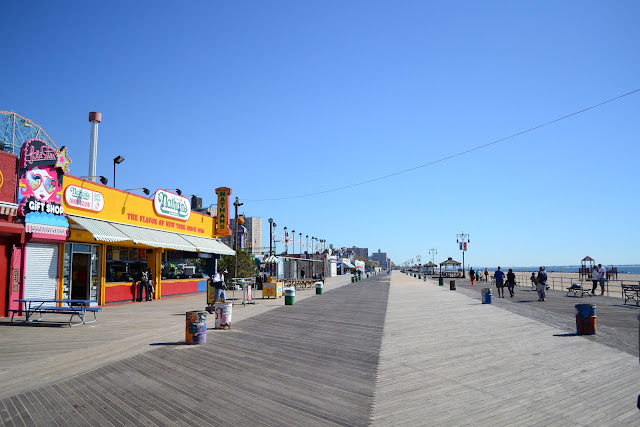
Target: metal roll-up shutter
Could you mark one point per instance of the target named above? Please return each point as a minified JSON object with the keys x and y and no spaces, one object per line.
{"x":41,"y":271}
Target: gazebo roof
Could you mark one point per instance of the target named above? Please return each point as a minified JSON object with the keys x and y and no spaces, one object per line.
{"x":588,"y":258}
{"x":430,"y":264}
{"x":450,"y":261}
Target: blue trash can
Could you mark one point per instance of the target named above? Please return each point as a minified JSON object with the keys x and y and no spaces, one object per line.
{"x":585,"y":319}
{"x":486,"y":296}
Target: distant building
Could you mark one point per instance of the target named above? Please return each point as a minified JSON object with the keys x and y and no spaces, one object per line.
{"x":381,"y":258}
{"x":249,"y":235}
{"x":361,"y":252}
{"x":253,"y":225}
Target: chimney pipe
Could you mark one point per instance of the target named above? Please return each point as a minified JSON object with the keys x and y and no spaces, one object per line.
{"x":94,"y":118}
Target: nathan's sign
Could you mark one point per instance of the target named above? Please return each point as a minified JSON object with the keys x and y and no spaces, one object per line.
{"x":171,"y":205}
{"x":83,"y":198}
{"x":222,"y":219}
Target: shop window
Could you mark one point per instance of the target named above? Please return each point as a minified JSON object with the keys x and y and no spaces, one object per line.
{"x":182,"y":265}
{"x":125,"y":264}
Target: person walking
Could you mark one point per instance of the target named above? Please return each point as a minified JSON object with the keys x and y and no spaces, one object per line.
{"x":218,"y":284}
{"x":302,"y":273}
{"x":499,"y":275}
{"x":602,"y":276}
{"x":594,"y":279}
{"x":486,"y":274}
{"x":534,"y":281}
{"x":511,"y":281}
{"x":541,"y":285}
{"x":472,"y":275}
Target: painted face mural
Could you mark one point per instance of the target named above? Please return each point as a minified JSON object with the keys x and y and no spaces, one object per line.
{"x":43,"y":184}
{"x":40,"y":193}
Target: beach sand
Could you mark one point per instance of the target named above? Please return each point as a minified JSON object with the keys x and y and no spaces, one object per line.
{"x":561,"y":281}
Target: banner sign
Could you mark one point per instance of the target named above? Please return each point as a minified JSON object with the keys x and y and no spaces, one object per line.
{"x":83,"y":198}
{"x":223,"y":219}
{"x":463,"y":246}
{"x":171,"y":205}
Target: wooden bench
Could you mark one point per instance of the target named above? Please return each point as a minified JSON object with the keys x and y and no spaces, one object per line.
{"x":631,"y":292}
{"x":70,"y":311}
{"x":577,"y":288}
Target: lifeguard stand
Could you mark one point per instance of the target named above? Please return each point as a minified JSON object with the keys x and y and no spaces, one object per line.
{"x":586,"y":268}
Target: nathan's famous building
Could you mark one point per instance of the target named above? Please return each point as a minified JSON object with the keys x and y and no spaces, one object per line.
{"x":75,"y":238}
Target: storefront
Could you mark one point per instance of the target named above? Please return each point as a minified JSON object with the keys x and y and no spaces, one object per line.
{"x":115,"y":236}
{"x":39,"y":198}
{"x":11,"y":233}
{"x":84,"y":240}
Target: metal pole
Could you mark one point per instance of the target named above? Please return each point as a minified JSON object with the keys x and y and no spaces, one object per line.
{"x":235,"y":236}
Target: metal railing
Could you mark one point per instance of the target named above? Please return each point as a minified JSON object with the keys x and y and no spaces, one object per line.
{"x":612,"y":287}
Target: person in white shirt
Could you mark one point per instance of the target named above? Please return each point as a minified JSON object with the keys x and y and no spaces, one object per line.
{"x":218,"y":284}
{"x":602,"y":276}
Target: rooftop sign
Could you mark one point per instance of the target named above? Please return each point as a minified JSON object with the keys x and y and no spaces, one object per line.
{"x":171,"y":205}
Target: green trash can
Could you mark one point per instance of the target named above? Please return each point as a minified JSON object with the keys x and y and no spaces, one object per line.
{"x":289,"y":296}
{"x":353,"y":279}
{"x":319,"y":287}
{"x":440,"y":281}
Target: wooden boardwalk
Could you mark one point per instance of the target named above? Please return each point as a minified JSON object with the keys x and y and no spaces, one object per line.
{"x":447,"y":359}
{"x":375,"y":352}
{"x":313,"y":363}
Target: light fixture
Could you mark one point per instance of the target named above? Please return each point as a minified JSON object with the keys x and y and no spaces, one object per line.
{"x":103,"y":180}
{"x":144,"y":190}
{"x":179,"y":192}
{"x":117,"y":160}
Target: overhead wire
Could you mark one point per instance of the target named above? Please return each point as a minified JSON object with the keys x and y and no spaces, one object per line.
{"x":442,"y":159}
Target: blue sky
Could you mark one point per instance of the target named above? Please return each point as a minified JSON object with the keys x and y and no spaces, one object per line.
{"x":285,"y":98}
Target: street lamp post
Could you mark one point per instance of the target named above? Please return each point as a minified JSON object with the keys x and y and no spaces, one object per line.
{"x":270,"y":235}
{"x":117,"y":160}
{"x":300,"y":243}
{"x":307,"y":244}
{"x":237,"y":204}
{"x":293,"y":244}
{"x":270,"y":245}
{"x":433,"y":252}
{"x":286,"y":238}
{"x":460,"y":238}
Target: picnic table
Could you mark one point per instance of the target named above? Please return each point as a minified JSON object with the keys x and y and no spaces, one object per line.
{"x":71,"y":307}
{"x":631,"y":292}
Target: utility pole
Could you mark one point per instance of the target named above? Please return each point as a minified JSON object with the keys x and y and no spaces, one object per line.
{"x":237,"y":204}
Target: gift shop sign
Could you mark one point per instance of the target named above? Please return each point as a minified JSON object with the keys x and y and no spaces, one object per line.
{"x":84,"y":199}
{"x":171,"y":205}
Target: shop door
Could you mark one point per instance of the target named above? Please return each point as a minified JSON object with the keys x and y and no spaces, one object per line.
{"x":80,"y":267}
{"x":5,"y":257}
{"x":41,"y":271}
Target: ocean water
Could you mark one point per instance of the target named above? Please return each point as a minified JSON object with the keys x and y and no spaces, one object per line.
{"x":622,"y":269}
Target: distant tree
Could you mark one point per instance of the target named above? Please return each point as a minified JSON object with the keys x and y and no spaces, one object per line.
{"x":246,"y":265}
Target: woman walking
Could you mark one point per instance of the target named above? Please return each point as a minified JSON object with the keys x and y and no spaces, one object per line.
{"x":594,"y":279}
{"x":511,"y":281}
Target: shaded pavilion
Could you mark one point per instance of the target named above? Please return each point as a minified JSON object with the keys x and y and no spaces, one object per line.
{"x":454,"y":265}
